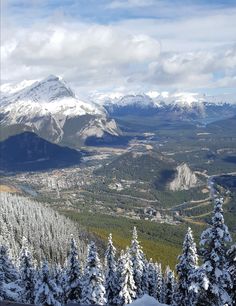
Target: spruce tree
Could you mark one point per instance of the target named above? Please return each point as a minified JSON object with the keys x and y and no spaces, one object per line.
{"x":46,"y":291}
{"x":152,"y":279}
{"x":27,"y":275}
{"x":58,"y":275}
{"x":159,"y":281}
{"x":137,"y":258}
{"x":9,"y":275}
{"x":127,"y":288}
{"x":145,"y":277}
{"x":185,"y":269}
{"x":231,"y":265}
{"x":169,"y":286}
{"x":111,"y":284}
{"x":93,"y":291}
{"x":214,"y":242}
{"x":73,"y":276}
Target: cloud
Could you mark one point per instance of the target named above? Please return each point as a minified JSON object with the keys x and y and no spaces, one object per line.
{"x":190,"y":50}
{"x":118,"y":4}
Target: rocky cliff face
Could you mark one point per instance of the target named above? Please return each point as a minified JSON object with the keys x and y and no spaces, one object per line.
{"x":184,"y":179}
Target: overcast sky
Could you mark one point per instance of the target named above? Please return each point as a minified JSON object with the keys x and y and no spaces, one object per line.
{"x":122,"y":45}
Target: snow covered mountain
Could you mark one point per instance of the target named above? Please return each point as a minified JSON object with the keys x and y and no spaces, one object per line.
{"x":51,"y":109}
{"x":182,"y":105}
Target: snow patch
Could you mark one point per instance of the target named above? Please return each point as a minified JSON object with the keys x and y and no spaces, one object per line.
{"x":146,"y":300}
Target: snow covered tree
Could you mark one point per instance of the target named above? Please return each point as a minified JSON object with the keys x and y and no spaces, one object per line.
{"x":152,"y":279}
{"x":214,"y":242}
{"x":159,"y":282}
{"x":59,"y":277}
{"x":127,"y":288}
{"x":46,"y":291}
{"x":187,"y":265}
{"x":231,"y":265}
{"x":111,"y":284}
{"x":145,"y":277}
{"x":169,"y":286}
{"x":137,"y":258}
{"x":73,"y":275}
{"x":93,"y":291}
{"x":27,"y":275}
{"x":9,"y":275}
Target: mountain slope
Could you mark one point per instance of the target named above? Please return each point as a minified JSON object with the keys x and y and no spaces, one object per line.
{"x":46,"y":106}
{"x":29,"y":152}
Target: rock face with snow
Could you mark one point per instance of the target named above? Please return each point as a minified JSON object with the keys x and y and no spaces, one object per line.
{"x":184,"y":179}
{"x":51,"y":109}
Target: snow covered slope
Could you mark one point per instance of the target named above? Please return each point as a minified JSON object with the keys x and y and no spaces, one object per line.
{"x":48,"y":105}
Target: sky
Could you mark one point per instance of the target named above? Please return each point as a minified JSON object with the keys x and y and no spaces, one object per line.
{"x":130,"y":46}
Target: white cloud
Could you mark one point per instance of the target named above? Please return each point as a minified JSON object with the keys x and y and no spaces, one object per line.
{"x":143,"y":54}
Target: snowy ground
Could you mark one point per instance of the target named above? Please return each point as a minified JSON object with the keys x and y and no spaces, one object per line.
{"x":147,"y":300}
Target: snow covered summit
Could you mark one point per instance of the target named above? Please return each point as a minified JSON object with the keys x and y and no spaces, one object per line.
{"x":51,"y":109}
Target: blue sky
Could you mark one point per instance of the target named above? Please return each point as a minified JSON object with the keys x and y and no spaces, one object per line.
{"x":122,"y":45}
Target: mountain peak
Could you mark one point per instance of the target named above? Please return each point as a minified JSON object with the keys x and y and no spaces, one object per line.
{"x":51,"y":77}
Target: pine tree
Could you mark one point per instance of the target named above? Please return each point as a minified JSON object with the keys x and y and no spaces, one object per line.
{"x":73,"y":277}
{"x":137,"y":258}
{"x":127,"y":288}
{"x":59,"y":276}
{"x":111,"y":284}
{"x":169,"y":286}
{"x":46,"y":291}
{"x":152,"y":279}
{"x":9,"y":276}
{"x":187,"y":265}
{"x":27,"y":275}
{"x":159,"y":281}
{"x":93,"y":291}
{"x":145,"y":277}
{"x":231,"y":264}
{"x":214,"y":242}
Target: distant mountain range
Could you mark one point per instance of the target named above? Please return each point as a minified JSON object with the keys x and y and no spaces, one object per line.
{"x":29,"y":152}
{"x":51,"y":109}
{"x":181,"y":106}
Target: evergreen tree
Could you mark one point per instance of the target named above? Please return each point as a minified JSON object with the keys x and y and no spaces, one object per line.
{"x":127,"y":288}
{"x":214,"y":242}
{"x":231,"y":256}
{"x":27,"y":275}
{"x":187,"y":265}
{"x":73,"y":276}
{"x":137,"y":258}
{"x":93,"y":291}
{"x":159,"y":281}
{"x":145,"y":277}
{"x":111,"y":284}
{"x":152,"y":279}
{"x":46,"y":291}
{"x":59,"y":277}
{"x":169,"y":286}
{"x":9,"y":276}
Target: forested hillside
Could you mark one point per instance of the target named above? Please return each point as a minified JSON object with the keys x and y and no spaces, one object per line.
{"x":205,"y":275}
{"x":46,"y":231}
